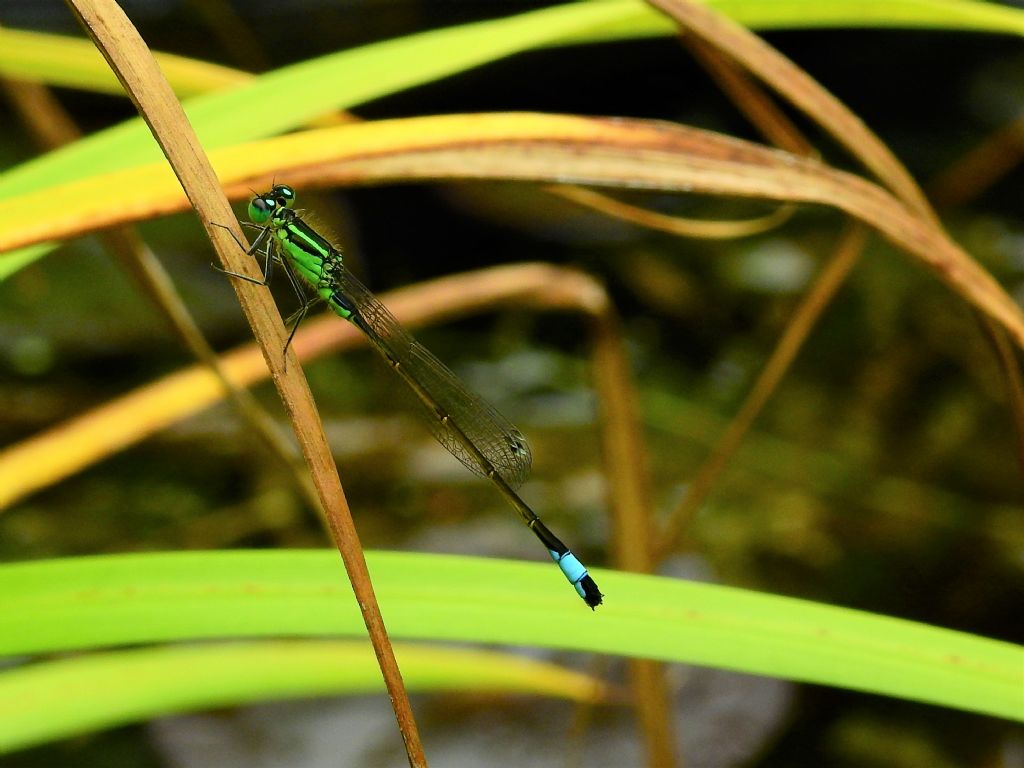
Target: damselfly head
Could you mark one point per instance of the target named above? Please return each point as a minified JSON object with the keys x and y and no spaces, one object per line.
{"x":262,"y":208}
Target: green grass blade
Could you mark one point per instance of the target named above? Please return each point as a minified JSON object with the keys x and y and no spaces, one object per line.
{"x":763,"y":15}
{"x":960,"y":15}
{"x":316,"y":87}
{"x":67,"y":61}
{"x":102,"y":601}
{"x":56,"y":699}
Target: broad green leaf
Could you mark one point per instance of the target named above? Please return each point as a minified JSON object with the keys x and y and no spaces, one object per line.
{"x":114,"y":600}
{"x":55,"y":699}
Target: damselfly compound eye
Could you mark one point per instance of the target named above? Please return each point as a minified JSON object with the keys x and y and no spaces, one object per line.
{"x":261,"y":209}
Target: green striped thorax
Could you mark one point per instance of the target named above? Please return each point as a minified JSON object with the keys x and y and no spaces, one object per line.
{"x":308,"y":253}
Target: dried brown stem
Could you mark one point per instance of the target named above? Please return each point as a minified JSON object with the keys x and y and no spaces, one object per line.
{"x":135,"y":67}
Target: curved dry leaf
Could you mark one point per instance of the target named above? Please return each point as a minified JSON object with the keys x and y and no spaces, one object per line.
{"x":50,"y":456}
{"x":528,"y":147}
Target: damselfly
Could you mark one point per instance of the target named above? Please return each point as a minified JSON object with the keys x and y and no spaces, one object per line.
{"x":469,"y":427}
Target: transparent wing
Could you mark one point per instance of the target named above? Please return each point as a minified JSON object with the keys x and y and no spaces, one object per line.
{"x":497,"y":440}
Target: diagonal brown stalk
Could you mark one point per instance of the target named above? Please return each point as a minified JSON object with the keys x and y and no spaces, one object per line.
{"x":130,"y":59}
{"x":804,"y":318}
{"x":977,"y":170}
